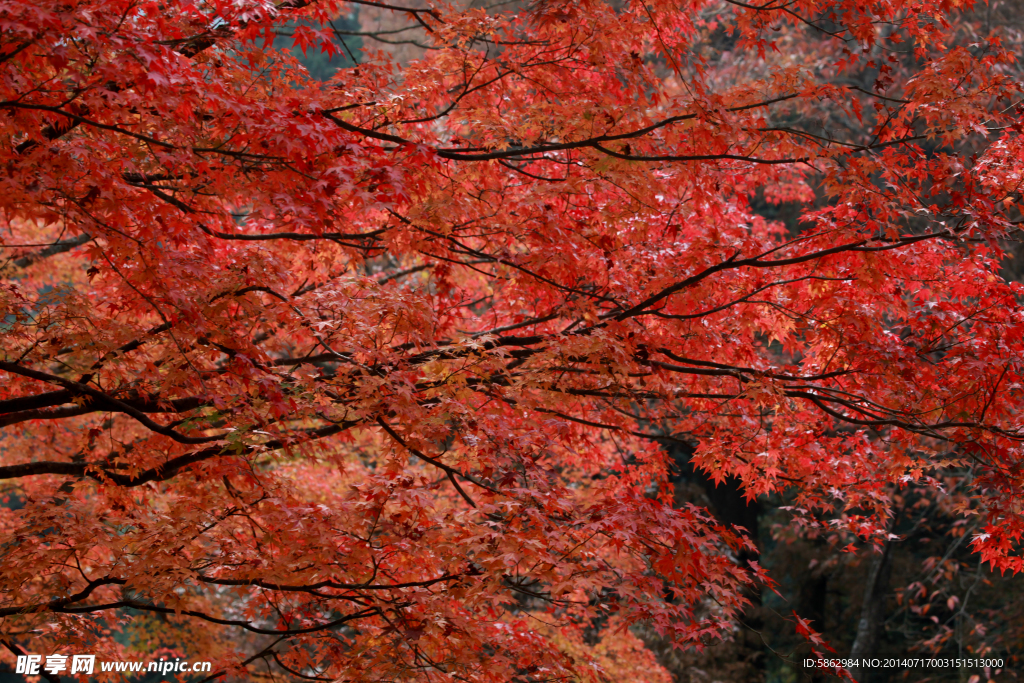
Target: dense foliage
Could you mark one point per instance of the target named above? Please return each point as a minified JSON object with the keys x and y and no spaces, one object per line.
{"x":387,"y":377}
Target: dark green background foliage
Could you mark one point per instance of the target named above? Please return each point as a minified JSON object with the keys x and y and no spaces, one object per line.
{"x":319,"y":65}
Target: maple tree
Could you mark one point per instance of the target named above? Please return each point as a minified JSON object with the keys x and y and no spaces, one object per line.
{"x":369,"y":379}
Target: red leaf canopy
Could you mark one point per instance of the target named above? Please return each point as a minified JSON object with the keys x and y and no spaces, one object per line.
{"x":368,"y":379}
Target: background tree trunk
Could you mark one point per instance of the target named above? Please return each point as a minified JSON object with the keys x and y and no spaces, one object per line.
{"x":872,"y":612}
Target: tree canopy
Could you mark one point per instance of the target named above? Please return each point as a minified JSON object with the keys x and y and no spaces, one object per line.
{"x":371,"y":378}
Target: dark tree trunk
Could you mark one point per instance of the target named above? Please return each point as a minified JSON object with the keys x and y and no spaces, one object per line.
{"x":727,"y":503}
{"x":872,"y":611}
